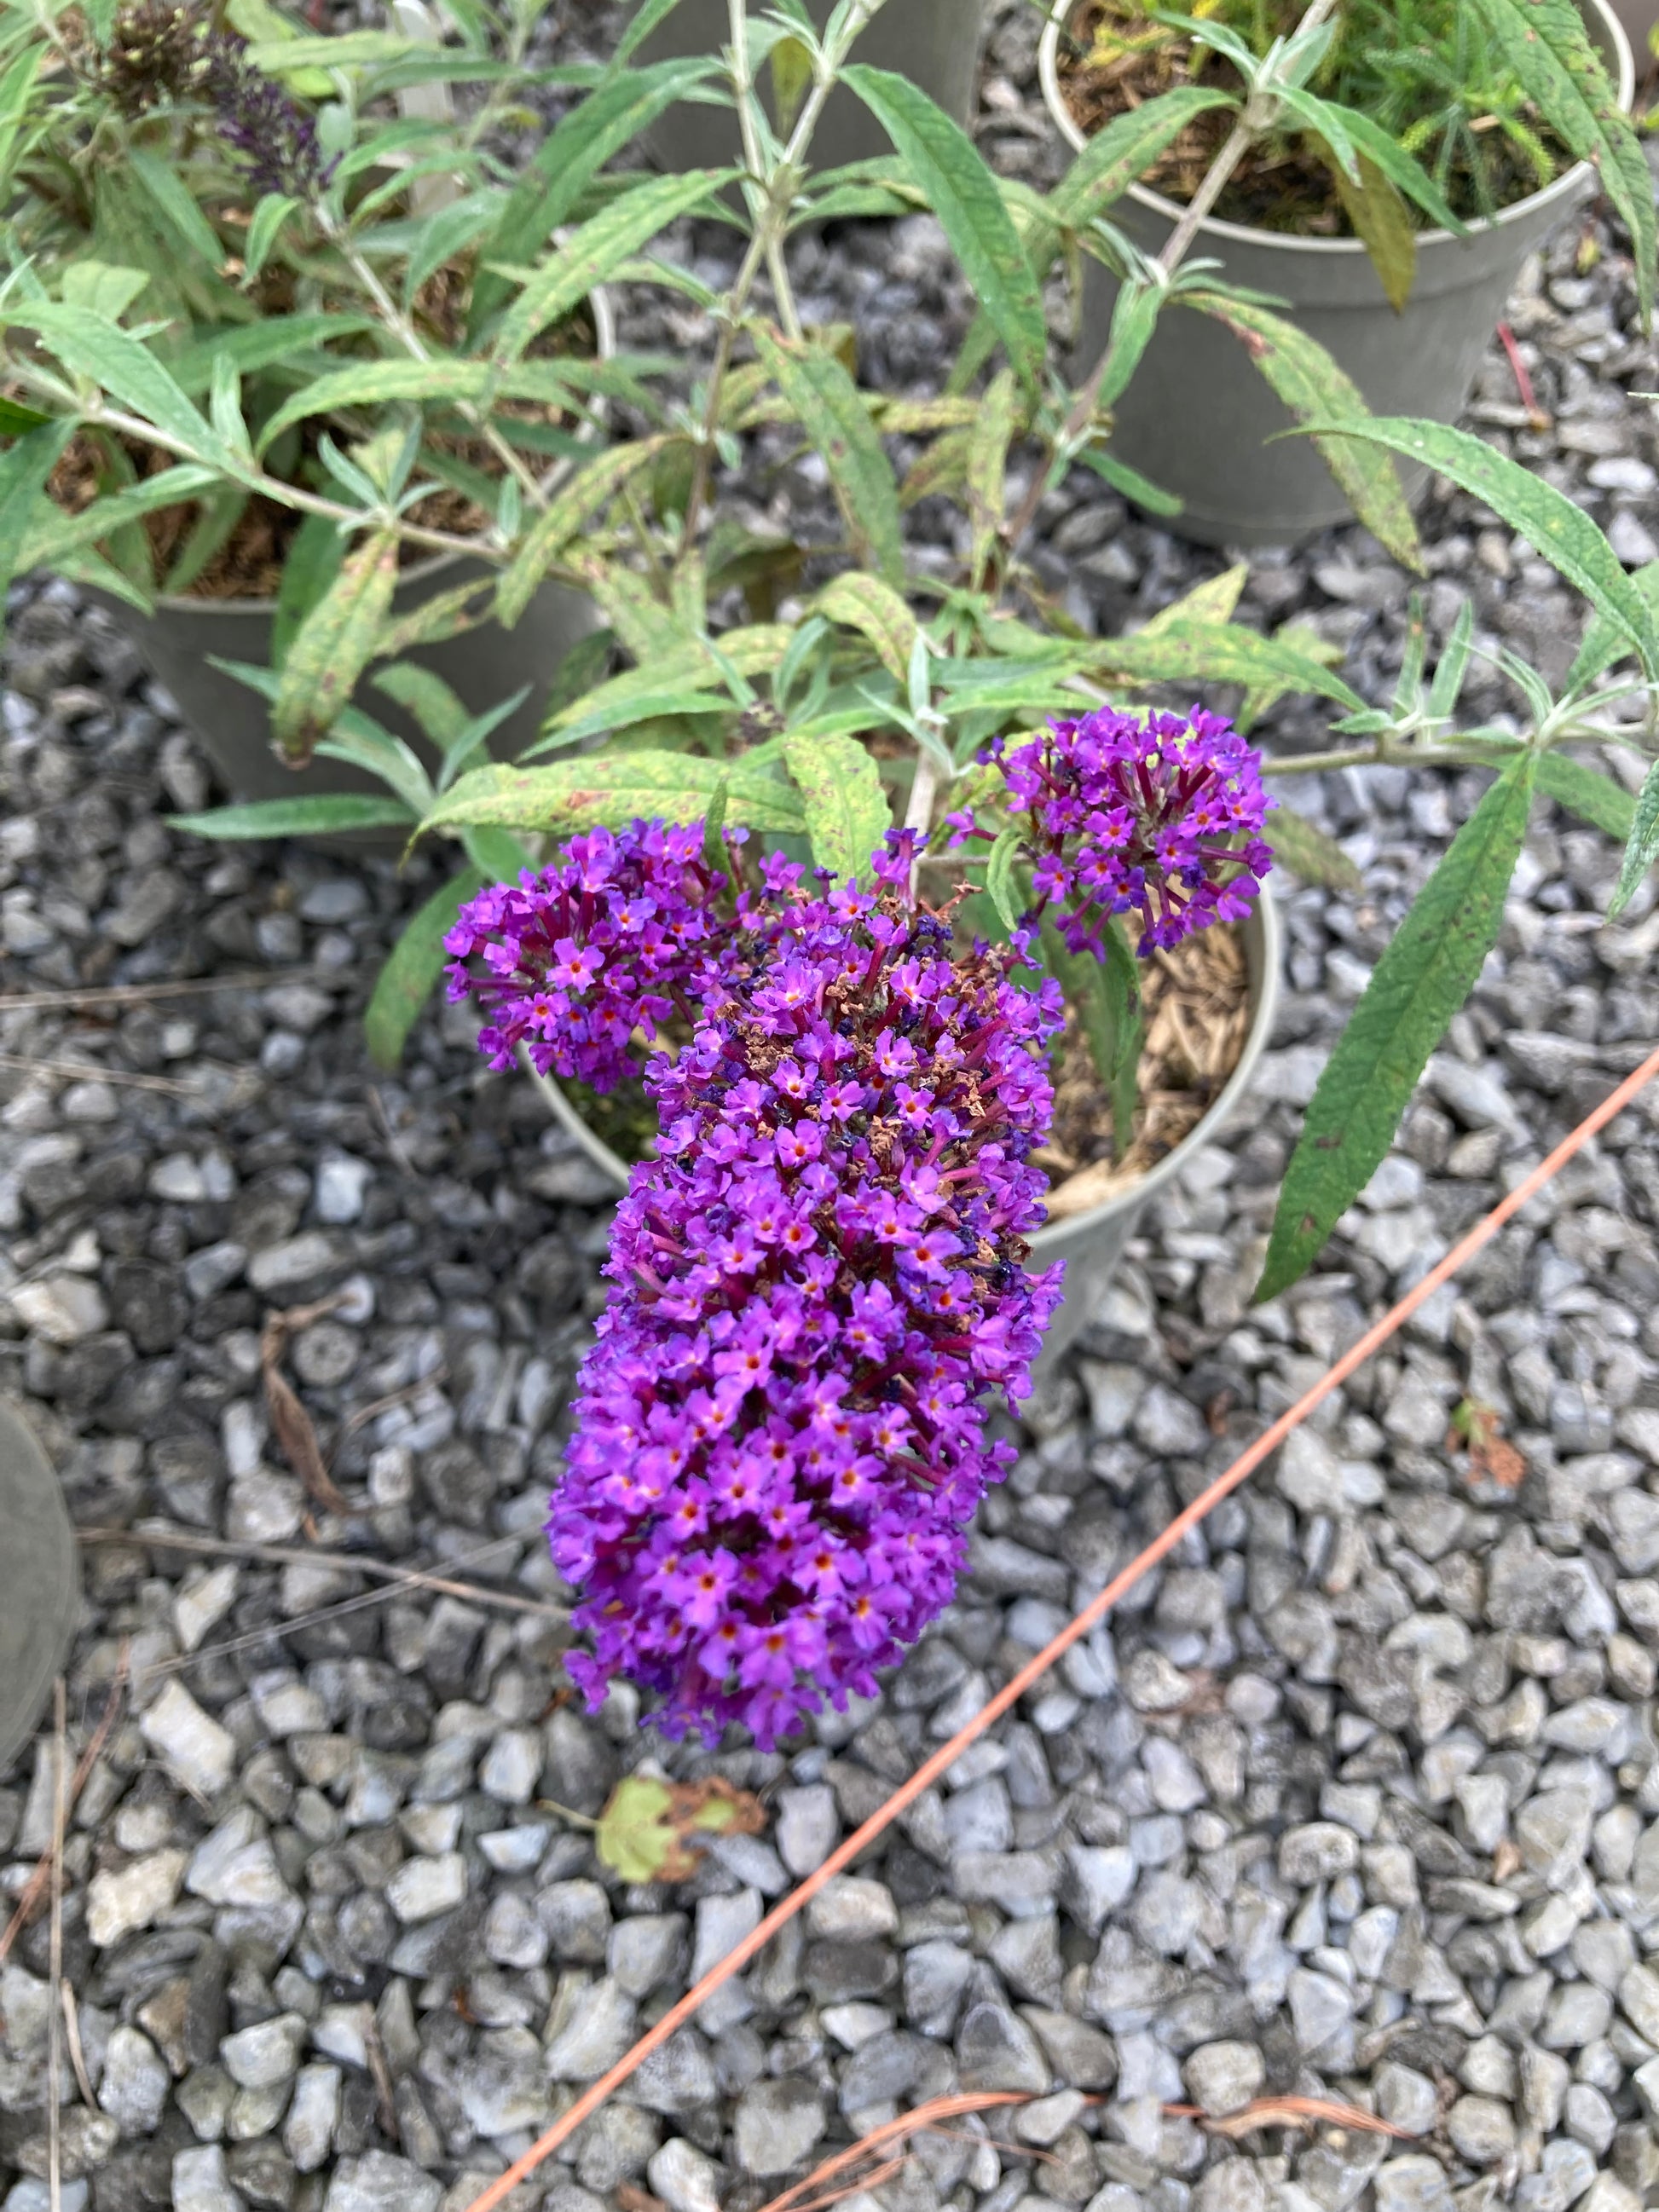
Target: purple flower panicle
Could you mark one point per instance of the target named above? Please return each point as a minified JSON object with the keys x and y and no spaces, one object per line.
{"x":781,"y":1432}
{"x":609,"y":939}
{"x":1160,"y":815}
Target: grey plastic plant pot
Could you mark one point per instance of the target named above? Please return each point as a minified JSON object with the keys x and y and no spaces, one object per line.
{"x":1197,"y":417}
{"x":1638,"y":19}
{"x":39,"y":1582}
{"x":1092,"y":1244}
{"x":180,"y":641}
{"x":935,"y":43}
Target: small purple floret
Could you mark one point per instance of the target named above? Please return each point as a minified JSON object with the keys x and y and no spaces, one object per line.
{"x":1160,"y":815}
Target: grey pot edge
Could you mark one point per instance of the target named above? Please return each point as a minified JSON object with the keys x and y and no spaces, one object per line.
{"x":40,"y":1581}
{"x":1092,"y":1245}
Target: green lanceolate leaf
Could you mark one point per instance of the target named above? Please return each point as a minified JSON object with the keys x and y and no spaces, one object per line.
{"x":613,"y":789}
{"x":844,"y":801}
{"x":1309,"y":853}
{"x":1544,"y":42}
{"x":1130,"y":482}
{"x":333,"y":646}
{"x":313,"y":564}
{"x":24,"y":469}
{"x":1134,"y":317}
{"x":314,"y":816}
{"x":1105,"y":995}
{"x":89,"y":346}
{"x":832,"y":411}
{"x":1643,"y":848}
{"x":1383,"y":223}
{"x":1214,"y":600}
{"x":14,"y":418}
{"x":1588,"y":793}
{"x":416,"y":963}
{"x":876,"y":610}
{"x":55,"y":532}
{"x":961,"y":190}
{"x":596,"y":249}
{"x":373,"y":383}
{"x":1604,"y":642}
{"x":1114,"y":157}
{"x":1008,"y":894}
{"x":1319,"y":393}
{"x":581,"y":496}
{"x":1560,"y":530}
{"x":987,"y":471}
{"x":423,"y":693}
{"x":565,"y":163}
{"x":1423,"y":978}
{"x":1188,"y":652}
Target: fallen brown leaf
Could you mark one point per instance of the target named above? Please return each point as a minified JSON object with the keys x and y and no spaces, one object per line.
{"x":293,"y":1425}
{"x":1477,"y":1431}
{"x":632,"y":2199}
{"x":1289,"y":2112}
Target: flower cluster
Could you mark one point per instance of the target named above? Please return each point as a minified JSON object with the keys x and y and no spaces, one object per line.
{"x":1160,"y":815}
{"x":160,"y":51}
{"x":781,"y":1432}
{"x":614,"y":937}
{"x":274,"y":136}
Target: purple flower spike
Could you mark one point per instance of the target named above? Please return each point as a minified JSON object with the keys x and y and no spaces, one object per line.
{"x":1161,"y":816}
{"x":609,"y":939}
{"x":781,"y":1432}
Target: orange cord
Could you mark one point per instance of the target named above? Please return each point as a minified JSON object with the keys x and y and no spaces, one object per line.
{"x":947,"y":1755}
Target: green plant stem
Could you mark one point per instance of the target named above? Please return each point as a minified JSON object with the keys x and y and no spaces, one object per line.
{"x":409,"y":338}
{"x":768,"y":229}
{"x":743,"y":82}
{"x":1473,"y":753}
{"x":254,"y":479}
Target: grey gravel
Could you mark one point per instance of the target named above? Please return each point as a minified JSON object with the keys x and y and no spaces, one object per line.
{"x":1355,"y":1796}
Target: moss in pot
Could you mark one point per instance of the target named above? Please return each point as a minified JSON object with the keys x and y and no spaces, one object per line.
{"x":1388,"y":198}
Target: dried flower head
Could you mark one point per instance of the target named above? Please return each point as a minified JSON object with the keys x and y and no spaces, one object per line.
{"x":154,"y":50}
{"x":160,"y":52}
{"x":1160,"y":815}
{"x":781,"y":1432}
{"x":273,"y":136}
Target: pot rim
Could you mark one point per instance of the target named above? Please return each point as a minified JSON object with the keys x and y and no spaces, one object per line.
{"x":604,"y":334}
{"x":1264,"y":981}
{"x":1567,"y":184}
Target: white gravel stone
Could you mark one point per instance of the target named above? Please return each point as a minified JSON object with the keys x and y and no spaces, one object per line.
{"x":198,"y":1752}
{"x":423,"y":1887}
{"x":133,"y":2088}
{"x":846,"y":1909}
{"x":201,"y":2182}
{"x":684,"y":2177}
{"x":62,"y":1308}
{"x":261,"y":2056}
{"x":121,"y":1901}
{"x":313,"y":2113}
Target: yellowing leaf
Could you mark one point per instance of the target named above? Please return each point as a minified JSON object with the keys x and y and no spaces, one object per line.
{"x":645,"y":1832}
